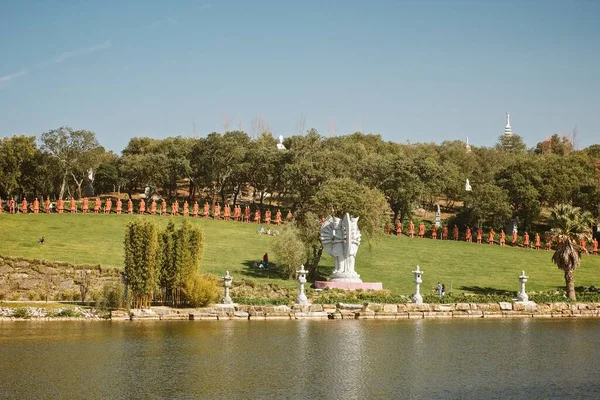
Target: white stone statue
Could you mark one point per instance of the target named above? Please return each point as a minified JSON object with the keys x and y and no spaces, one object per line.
{"x":341,"y":238}
{"x":280,"y":145}
{"x":438,"y":217}
{"x":468,"y":186}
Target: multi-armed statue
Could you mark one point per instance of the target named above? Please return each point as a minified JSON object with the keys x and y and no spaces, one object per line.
{"x":341,"y":238}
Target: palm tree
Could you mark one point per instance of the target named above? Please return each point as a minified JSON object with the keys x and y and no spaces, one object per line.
{"x":569,"y":226}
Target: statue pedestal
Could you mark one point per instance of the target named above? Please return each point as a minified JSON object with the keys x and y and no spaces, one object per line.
{"x":349,"y":285}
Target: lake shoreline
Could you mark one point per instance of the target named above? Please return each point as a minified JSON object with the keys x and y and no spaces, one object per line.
{"x":339,"y":311}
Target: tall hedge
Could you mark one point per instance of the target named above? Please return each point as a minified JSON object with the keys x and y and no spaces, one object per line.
{"x":142,"y":260}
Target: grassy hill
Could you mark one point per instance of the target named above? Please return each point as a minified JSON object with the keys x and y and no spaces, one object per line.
{"x":464,"y":267}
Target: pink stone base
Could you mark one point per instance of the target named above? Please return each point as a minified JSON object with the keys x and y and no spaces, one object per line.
{"x":349,"y":285}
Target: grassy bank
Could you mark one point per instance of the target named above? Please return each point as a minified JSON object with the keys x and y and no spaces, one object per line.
{"x":462,"y":267}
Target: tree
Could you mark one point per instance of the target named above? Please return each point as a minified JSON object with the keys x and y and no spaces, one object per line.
{"x":521,"y":182}
{"x":289,"y":250}
{"x":74,"y":151}
{"x":17,"y":155}
{"x":486,"y":205}
{"x":142,"y":258}
{"x":569,"y":226}
{"x":401,"y":187}
{"x":513,"y":143}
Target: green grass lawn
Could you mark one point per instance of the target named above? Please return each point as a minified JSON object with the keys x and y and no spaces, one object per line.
{"x":464,"y":267}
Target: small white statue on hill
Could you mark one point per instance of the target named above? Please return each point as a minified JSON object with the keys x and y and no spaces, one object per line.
{"x":280,"y":145}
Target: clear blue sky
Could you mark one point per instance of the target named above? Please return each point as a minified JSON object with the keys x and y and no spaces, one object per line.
{"x":409,"y":70}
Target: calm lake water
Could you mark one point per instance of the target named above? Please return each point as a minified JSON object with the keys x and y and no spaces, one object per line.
{"x":420,"y":359}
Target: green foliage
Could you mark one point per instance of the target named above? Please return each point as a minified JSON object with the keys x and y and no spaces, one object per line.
{"x":68,"y":313}
{"x":21,"y":313}
{"x":258,"y":301}
{"x":333,"y":296}
{"x":111,"y":297}
{"x":487,"y":205}
{"x":289,"y":250}
{"x":142,"y":260}
{"x":201,"y":289}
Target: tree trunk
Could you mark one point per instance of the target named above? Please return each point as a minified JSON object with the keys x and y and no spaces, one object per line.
{"x":62,"y":186}
{"x":570,"y":283}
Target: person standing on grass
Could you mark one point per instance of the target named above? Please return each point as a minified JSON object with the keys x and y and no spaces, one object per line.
{"x":439,"y":289}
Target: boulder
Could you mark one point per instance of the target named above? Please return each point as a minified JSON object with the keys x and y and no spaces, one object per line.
{"x":6,"y":269}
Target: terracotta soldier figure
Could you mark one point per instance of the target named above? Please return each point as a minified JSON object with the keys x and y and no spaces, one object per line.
{"x":502,"y":238}
{"x":97,"y":204}
{"x":433,"y":232}
{"x":247,"y":214}
{"x":514,"y":238}
{"x":195,"y":210}
{"x":548,"y":245}
{"x":278,"y":217}
{"x":387,"y":228}
{"x":142,"y":207}
{"x":595,"y":246}
{"x":526,"y":240}
{"x":421,"y":230}
{"x":582,"y":244}
{"x":175,"y":208}
{"x":36,"y":206}
{"x":398,"y":228}
{"x":479,"y":235}
{"x":445,"y":233}
{"x":227,"y":212}
{"x":153,"y":207}
{"x":455,"y":233}
{"x":108,"y":206}
{"x":237,"y":213}
{"x":186,"y":209}
{"x":60,"y":204}
{"x":47,"y":206}
{"x":72,"y":206}
{"x":257,"y":216}
{"x":163,"y":207}
{"x":537,"y":241}
{"x":468,"y":235}
{"x":289,"y":216}
{"x":119,"y":206}
{"x":217,"y":211}
{"x":411,"y":229}
{"x":85,"y":206}
{"x":129,"y":207}
{"x":1,"y":207}
{"x":491,"y":236}
{"x":268,"y":217}
{"x":24,"y":206}
{"x":12,"y":206}
{"x":205,"y":210}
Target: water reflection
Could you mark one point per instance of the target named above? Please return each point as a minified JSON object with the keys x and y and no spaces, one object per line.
{"x":301,"y":359}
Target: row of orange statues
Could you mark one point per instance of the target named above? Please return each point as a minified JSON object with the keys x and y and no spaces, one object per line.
{"x":153,"y":209}
{"x":491,"y":236}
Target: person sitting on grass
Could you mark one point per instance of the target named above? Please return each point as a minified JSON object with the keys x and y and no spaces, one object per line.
{"x":41,"y":240}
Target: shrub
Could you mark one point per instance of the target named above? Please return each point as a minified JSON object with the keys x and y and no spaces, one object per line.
{"x":111,"y":296}
{"x":67,"y":312}
{"x":21,"y":313}
{"x":254,"y":301}
{"x":200,"y":290}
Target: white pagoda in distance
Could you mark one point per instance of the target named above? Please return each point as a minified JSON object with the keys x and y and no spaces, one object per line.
{"x":507,"y":130}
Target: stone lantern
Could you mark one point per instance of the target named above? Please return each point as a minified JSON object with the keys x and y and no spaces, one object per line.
{"x":302,"y":299}
{"x":227,"y":284}
{"x":522,"y":296}
{"x":417,"y":298}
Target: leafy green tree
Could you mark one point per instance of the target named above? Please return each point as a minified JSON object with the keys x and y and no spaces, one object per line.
{"x":486,"y":205}
{"x":555,"y":145}
{"x":512,"y":144}
{"x":74,"y":150}
{"x":142,"y":260}
{"x":289,"y":250}
{"x":569,"y":226}
{"x":401,"y":187}
{"x":521,"y":182}
{"x":17,"y":157}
